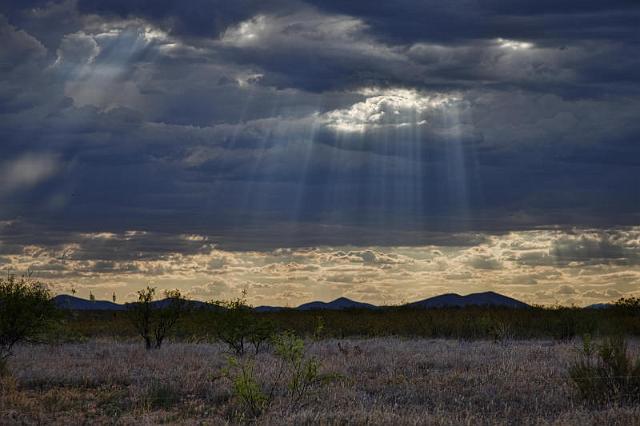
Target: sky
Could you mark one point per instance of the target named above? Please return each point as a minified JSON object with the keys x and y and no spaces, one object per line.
{"x":303,"y":150}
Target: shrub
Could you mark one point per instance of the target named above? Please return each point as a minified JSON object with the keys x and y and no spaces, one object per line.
{"x":152,"y":320}
{"x":302,"y":371}
{"x":260,"y":333}
{"x":606,"y":372}
{"x":246,"y":387}
{"x":294,"y":377}
{"x":26,"y":309}
{"x":237,"y":326}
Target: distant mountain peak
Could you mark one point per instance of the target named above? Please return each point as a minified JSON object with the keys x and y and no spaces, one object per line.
{"x":340,"y":303}
{"x":487,"y":298}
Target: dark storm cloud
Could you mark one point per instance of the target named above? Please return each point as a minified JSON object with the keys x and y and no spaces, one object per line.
{"x":523,"y":7}
{"x":455,"y":21}
{"x":348,"y":53}
{"x":581,"y":248}
{"x":195,"y":17}
{"x":266,"y":124}
{"x":108,"y":247}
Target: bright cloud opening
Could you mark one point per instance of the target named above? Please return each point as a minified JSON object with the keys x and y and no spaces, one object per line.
{"x":514,"y":44}
{"x":387,"y":107}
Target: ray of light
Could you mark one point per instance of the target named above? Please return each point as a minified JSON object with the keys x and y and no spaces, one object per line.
{"x":456,"y":167}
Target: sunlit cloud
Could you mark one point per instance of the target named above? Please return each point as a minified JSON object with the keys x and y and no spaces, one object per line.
{"x":246,"y":79}
{"x":247,"y":33}
{"x":299,"y":27}
{"x":388,"y":108}
{"x":77,"y":49}
{"x":514,"y":44}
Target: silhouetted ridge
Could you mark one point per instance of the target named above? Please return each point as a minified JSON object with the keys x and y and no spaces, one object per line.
{"x":64,"y":301}
{"x":452,"y":300}
{"x":599,"y":306}
{"x":449,"y":300}
{"x":340,"y":303}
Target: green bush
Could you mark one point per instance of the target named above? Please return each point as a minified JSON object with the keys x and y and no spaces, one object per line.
{"x":293,"y":379}
{"x":606,"y":372}
{"x":238,"y":326}
{"x":26,"y":310}
{"x":302,"y":371}
{"x":260,"y":333}
{"x":246,"y":387}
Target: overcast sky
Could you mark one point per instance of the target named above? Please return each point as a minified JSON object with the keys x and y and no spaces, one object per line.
{"x":384,"y":151}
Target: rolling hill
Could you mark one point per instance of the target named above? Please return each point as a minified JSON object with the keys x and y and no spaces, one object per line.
{"x":488,"y":298}
{"x":339,"y":304}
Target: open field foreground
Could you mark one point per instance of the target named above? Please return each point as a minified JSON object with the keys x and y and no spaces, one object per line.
{"x":376,"y":381}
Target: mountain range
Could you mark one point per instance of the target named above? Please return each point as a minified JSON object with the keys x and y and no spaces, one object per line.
{"x":450,"y":300}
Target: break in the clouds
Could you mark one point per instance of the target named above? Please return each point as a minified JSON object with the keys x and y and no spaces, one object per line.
{"x":132,"y":131}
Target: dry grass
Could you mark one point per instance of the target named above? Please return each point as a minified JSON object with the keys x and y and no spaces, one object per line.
{"x":378,"y":381}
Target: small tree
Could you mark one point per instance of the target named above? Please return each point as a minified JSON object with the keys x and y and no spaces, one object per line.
{"x":238,"y":326}
{"x":302,"y":370}
{"x":26,"y":308}
{"x":154,"y":320}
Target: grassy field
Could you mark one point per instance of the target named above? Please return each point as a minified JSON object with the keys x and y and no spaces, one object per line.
{"x":383,"y":380}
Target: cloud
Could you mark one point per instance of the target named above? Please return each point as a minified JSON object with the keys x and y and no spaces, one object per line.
{"x":27,"y":171}
{"x":210,"y":290}
{"x":206,"y":18}
{"x":386,"y":108}
{"x":19,"y":46}
{"x":463,"y":19}
{"x":484,"y":262}
{"x":78,"y":48}
{"x":613,"y":246}
{"x":566,"y":290}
